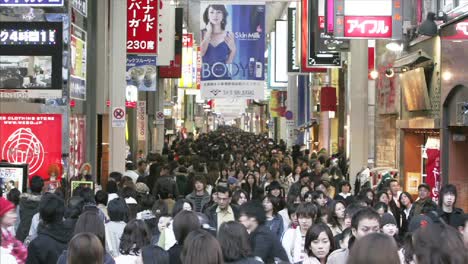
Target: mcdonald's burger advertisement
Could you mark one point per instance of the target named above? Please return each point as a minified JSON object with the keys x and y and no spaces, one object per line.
{"x":33,"y":139}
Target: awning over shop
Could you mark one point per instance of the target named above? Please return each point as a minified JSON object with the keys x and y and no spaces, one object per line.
{"x":412,"y":59}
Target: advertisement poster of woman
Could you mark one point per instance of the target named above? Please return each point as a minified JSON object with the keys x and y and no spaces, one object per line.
{"x":232,"y":50}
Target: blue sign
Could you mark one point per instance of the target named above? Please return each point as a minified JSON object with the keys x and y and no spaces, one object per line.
{"x":141,"y":72}
{"x":31,"y":2}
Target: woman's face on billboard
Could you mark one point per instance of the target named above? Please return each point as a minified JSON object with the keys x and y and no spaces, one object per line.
{"x":215,"y":16}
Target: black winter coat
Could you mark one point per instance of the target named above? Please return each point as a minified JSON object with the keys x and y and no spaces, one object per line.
{"x":29,"y":206}
{"x":266,"y":246}
{"x":455,"y":218}
{"x":49,"y":244}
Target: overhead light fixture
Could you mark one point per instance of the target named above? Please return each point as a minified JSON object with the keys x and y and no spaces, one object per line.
{"x":394,"y":46}
{"x":429,"y":26}
{"x":389,"y":73}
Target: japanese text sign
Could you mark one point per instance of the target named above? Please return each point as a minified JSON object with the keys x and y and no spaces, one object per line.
{"x":368,"y":27}
{"x":142,"y":26}
{"x":379,"y":19}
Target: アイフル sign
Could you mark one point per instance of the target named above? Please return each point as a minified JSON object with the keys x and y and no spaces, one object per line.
{"x":378,"y":19}
{"x":142,"y":26}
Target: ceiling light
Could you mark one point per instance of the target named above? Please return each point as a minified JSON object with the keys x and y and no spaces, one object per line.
{"x":447,"y":76}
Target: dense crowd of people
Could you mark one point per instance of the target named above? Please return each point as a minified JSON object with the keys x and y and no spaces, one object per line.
{"x":233,"y":197}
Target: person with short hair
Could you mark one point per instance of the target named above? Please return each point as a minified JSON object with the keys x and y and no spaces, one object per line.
{"x":424,"y":200}
{"x":234,"y":241}
{"x":364,"y":222}
{"x":463,"y":228}
{"x":29,"y":206}
{"x":293,"y":240}
{"x":85,"y":248}
{"x":118,"y":214}
{"x":223,"y":211}
{"x":447,"y":210}
{"x":262,"y":240}
{"x":199,"y":197}
{"x":345,"y":194}
{"x":102,"y":198}
{"x":52,"y":235}
{"x":374,"y":248}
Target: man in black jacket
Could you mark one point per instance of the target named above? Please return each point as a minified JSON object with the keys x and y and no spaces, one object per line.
{"x":263,"y":242}
{"x":223,"y":211}
{"x":53,"y":235}
{"x":447,"y":211}
{"x":28,"y":207}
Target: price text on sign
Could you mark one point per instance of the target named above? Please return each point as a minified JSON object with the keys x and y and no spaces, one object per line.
{"x":142,"y":26}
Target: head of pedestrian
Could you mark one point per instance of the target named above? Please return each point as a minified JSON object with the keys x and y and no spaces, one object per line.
{"x":319,"y":242}
{"x":424,"y":191}
{"x":306,"y":214}
{"x":224,"y":197}
{"x":388,"y":225}
{"x":251,"y":215}
{"x":375,"y":248}
{"x":448,"y":197}
{"x":364,"y":222}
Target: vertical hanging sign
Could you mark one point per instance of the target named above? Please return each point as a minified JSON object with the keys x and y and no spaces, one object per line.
{"x":293,"y":64}
{"x":142,"y":26}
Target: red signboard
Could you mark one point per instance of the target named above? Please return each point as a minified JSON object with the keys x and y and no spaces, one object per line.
{"x":368,"y":27}
{"x":187,"y":40}
{"x":142,"y":26}
{"x":457,"y":31}
{"x":35,"y":139}
{"x":433,"y":172}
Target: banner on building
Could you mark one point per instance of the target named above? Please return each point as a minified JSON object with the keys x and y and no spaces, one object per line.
{"x":277,"y":104}
{"x":174,"y":70}
{"x":141,"y":120}
{"x":272,"y":83}
{"x":78,"y":63}
{"x":142,"y":26}
{"x":33,"y":139}
{"x":230,"y":107}
{"x":77,"y":144}
{"x":433,"y":166}
{"x":186,"y":80}
{"x":232,"y":50}
{"x":166,"y":21}
{"x":141,"y":72}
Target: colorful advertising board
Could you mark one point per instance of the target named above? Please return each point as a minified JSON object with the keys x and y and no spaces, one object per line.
{"x":33,"y":139}
{"x":277,"y":103}
{"x":377,"y":19}
{"x":141,"y":72}
{"x":142,"y":26}
{"x":77,"y":144}
{"x":77,"y":63}
{"x":186,"y":81}
{"x":31,"y":60}
{"x":312,"y":61}
{"x":29,"y":3}
{"x":13,"y":176}
{"x":232,"y":50}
